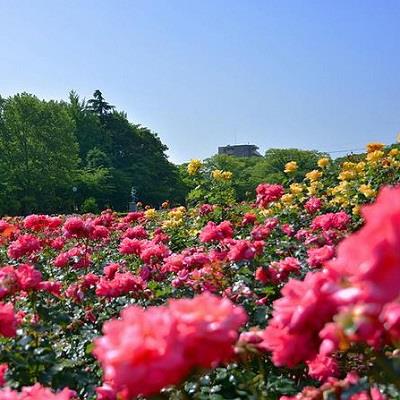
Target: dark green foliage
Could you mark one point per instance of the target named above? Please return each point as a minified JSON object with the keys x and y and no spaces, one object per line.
{"x":127,"y":154}
{"x":56,"y":156}
{"x":271,"y":167}
{"x":38,"y":155}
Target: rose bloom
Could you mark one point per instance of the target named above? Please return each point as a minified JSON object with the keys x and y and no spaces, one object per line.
{"x":23,"y":246}
{"x":267,"y":193}
{"x":374,"y":268}
{"x":241,"y":250}
{"x":249,"y":219}
{"x":213,"y":232}
{"x":8,"y":321}
{"x":77,"y":227}
{"x":209,"y":326}
{"x":338,"y":220}
{"x":147,"y":350}
{"x":8,"y":281}
{"x":290,"y":167}
{"x":371,"y":147}
{"x":137,"y":232}
{"x":298,"y":316}
{"x":141,"y":353}
{"x":130,"y":246}
{"x":28,"y":277}
{"x":260,"y":232}
{"x":313,"y":175}
{"x":316,"y":257}
{"x":323,"y":162}
{"x":322,"y":367}
{"x":36,"y":392}
{"x":3,"y":371}
{"x":312,"y":205}
{"x":205,"y":209}
{"x":36,"y":222}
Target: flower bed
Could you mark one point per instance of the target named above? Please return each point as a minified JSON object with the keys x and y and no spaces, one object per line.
{"x":293,"y":296}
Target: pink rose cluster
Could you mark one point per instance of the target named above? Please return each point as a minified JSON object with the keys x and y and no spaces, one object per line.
{"x":36,"y":392}
{"x":338,"y":389}
{"x":278,"y":271}
{"x":149,"y":349}
{"x":355,"y":298}
{"x":39,"y":223}
{"x":76,"y":227}
{"x":25,"y":245}
{"x":267,"y":193}
{"x":213,"y":232}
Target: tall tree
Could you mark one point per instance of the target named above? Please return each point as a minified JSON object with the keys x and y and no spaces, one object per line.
{"x":133,"y":155}
{"x":98,"y":105}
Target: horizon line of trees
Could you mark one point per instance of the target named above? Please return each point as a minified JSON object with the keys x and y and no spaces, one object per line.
{"x":84,"y":156}
{"x":63,"y":156}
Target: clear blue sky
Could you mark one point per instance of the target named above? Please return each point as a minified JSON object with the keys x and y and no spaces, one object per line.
{"x":307,"y":74}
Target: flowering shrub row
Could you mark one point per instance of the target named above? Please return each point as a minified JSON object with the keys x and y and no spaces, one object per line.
{"x":293,"y":296}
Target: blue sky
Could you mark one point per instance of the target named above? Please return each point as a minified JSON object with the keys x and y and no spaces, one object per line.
{"x":307,"y":74}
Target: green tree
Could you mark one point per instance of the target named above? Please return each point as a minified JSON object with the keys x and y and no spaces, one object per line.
{"x":89,"y":130}
{"x":133,"y":155}
{"x":39,"y":151}
{"x":47,"y":148}
{"x":241,"y":168}
{"x":271,"y":167}
{"x":98,"y":104}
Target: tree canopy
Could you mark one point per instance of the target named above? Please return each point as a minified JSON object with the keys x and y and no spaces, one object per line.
{"x":85,"y":155}
{"x":39,"y":154}
{"x":47,"y":148}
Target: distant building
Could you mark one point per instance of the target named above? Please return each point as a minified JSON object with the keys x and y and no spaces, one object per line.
{"x":240,"y":150}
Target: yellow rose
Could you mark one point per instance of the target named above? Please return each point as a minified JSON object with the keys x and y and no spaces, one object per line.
{"x":216,"y":174}
{"x":366,"y":190}
{"x":396,"y":164}
{"x":394,"y":152}
{"x":375,"y":156}
{"x":342,"y":200}
{"x":371,"y":147}
{"x":323,"y":162}
{"x":194,"y":166}
{"x":342,"y":188}
{"x":360,"y":166}
{"x":227,"y":175}
{"x":312,"y":189}
{"x":356,"y":210}
{"x":193,"y":232}
{"x":267,"y":212}
{"x":172,"y":223}
{"x":296,"y":188}
{"x":176,"y":214}
{"x":220,"y":175}
{"x":290,"y":167}
{"x":150,"y":213}
{"x":348,"y":166}
{"x":287,"y":198}
{"x":313,"y":175}
{"x":347,"y":175}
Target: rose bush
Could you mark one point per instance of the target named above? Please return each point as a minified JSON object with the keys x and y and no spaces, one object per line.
{"x":294,"y":295}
